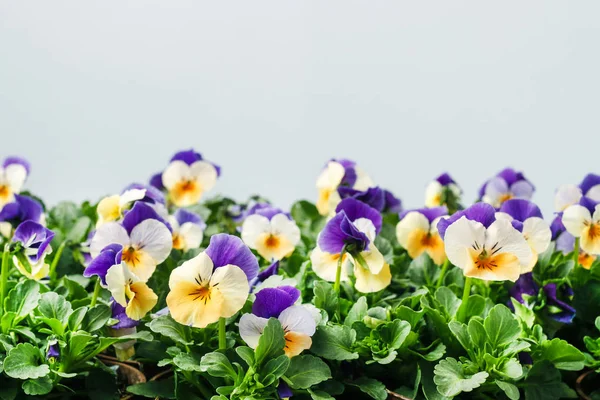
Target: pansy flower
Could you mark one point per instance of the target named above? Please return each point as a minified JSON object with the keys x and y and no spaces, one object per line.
{"x":297,"y":322}
{"x":351,"y":234}
{"x":380,"y":199}
{"x":526,"y":291}
{"x":340,"y":172}
{"x":417,"y":233}
{"x":484,"y":247}
{"x":188,"y":176}
{"x":565,"y":243}
{"x":508,"y":184}
{"x":130,"y":291}
{"x":567,"y":195}
{"x":443,"y":190}
{"x":145,"y":238}
{"x":188,"y":229}
{"x":35,"y":241}
{"x":99,"y":265}
{"x":53,"y":351}
{"x":271,"y":232}
{"x":111,"y":208}
{"x":213,"y":284}
{"x":23,"y":208}
{"x":526,"y":217}
{"x":13,"y":173}
{"x":583,"y":221}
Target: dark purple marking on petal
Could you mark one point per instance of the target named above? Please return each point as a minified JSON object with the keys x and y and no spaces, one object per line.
{"x":33,"y":236}
{"x":521,"y":209}
{"x":588,"y":182}
{"x":139,"y":213}
{"x":355,"y":209}
{"x":99,"y":266}
{"x":270,"y":302}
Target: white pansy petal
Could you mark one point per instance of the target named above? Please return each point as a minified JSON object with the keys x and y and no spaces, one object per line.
{"x":433,"y":227}
{"x":566,"y":195}
{"x":373,"y":258}
{"x":503,"y":215}
{"x":131,"y":195}
{"x":331,"y":176}
{"x":495,"y":189}
{"x":594,"y":193}
{"x":287,"y":228}
{"x":233,"y":285}
{"x":538,"y":234}
{"x":366,"y":282}
{"x":596,"y":215}
{"x":116,"y":280}
{"x":522,"y":190}
{"x":154,"y":238}
{"x":253,"y":229}
{"x":199,"y":267}
{"x":15,"y":175}
{"x":575,"y":219}
{"x":363,"y":181}
{"x":433,"y":194}
{"x":275,"y":281}
{"x":413,"y":221}
{"x":298,"y":319}
{"x":192,"y":234}
{"x":366,"y":226}
{"x":325,"y":265}
{"x":108,"y":233}
{"x":251,"y":327}
{"x":314,"y":311}
{"x":501,"y":235}
{"x":205,"y":173}
{"x":175,"y":172}
{"x":459,"y":237}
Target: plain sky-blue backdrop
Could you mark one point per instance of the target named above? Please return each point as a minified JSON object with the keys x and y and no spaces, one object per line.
{"x":99,"y":94}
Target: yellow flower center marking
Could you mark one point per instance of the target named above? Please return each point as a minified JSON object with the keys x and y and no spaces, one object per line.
{"x":177,"y":242}
{"x":593,"y":231}
{"x":4,"y":191}
{"x":131,"y":256}
{"x":202,"y":292}
{"x":488,"y":259}
{"x":505,"y":197}
{"x":272,"y":242}
{"x":586,"y":260}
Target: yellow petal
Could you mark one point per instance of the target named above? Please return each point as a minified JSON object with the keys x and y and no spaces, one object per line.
{"x":144,"y":299}
{"x":366,"y":282}
{"x":189,"y":306}
{"x":500,"y":267}
{"x":186,"y":193}
{"x":295,"y":343}
{"x":590,"y":238}
{"x":323,"y":201}
{"x":109,"y":209}
{"x":273,"y":246}
{"x":140,"y":263}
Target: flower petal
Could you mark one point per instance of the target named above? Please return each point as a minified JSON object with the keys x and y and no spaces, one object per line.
{"x":253,"y":229}
{"x":175,"y":172}
{"x":537,"y":233}
{"x":192,"y":235}
{"x":298,"y":319}
{"x":205,"y":173}
{"x":250,"y":328}
{"x":270,"y":302}
{"x":565,"y":196}
{"x":154,"y":238}
{"x":412,"y":222}
{"x":575,"y":219}
{"x":367,"y":282}
{"x":109,"y":233}
{"x":199,"y":267}
{"x":356,"y":209}
{"x":325,"y":265}
{"x":232,"y":283}
{"x":459,"y":238}
{"x":228,"y":249}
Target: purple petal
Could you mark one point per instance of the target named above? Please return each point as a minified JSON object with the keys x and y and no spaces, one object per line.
{"x":374,"y":197}
{"x":567,"y":314}
{"x":445,"y":179}
{"x":284,"y":390}
{"x":187,"y":156}
{"x":118,"y":313}
{"x":269,"y":212}
{"x":153,"y":195}
{"x":521,"y":209}
{"x":355,"y":209}
{"x":557,"y":227}
{"x":17,"y":160}
{"x":339,"y":232}
{"x":589,"y":204}
{"x":34,"y":236}
{"x":430,"y":213}
{"x":138,"y":213}
{"x":392,"y":203}
{"x":24,"y":208}
{"x":182,"y":216}
{"x":225,"y":249}
{"x":524,"y":285}
{"x":269,"y":271}
{"x":480,"y":212}
{"x":510,"y":176}
{"x":270,"y":302}
{"x":349,"y":178}
{"x":588,"y":182}
{"x":156,"y":181}
{"x":518,"y":225}
{"x":53,"y":351}
{"x":109,"y":256}
{"x":565,"y":242}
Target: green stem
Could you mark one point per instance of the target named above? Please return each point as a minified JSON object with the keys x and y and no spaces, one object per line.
{"x":465,"y":299}
{"x":4,"y":276}
{"x":338,"y":272}
{"x":222,"y":337}
{"x":576,"y":253}
{"x":24,"y":261}
{"x":96,"y":293}
{"x":442,"y":273}
{"x":55,"y":260}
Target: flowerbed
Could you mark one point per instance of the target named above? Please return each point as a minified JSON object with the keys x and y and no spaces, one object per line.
{"x":154,"y":293}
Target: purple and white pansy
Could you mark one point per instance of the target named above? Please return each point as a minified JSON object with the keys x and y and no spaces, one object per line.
{"x":350,"y":234}
{"x":582,"y":220}
{"x":435,"y":191}
{"x":187,"y":177}
{"x":526,"y":217}
{"x":99,"y":265}
{"x":484,"y":246}
{"x":188,"y":229}
{"x":567,"y":195}
{"x":565,"y":242}
{"x":339,"y":172}
{"x":13,"y":174}
{"x":271,"y":232}
{"x":22,"y":209}
{"x":508,"y":184}
{"x":146,"y":239}
{"x":35,"y":241}
{"x":111,"y":208}
{"x":297,"y":322}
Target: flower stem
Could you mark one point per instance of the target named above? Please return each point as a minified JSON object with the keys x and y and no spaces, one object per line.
{"x":222,"y":337}
{"x":96,"y":293}
{"x":442,"y":273}
{"x":465,"y":299}
{"x":576,"y":253}
{"x":55,"y":260}
{"x":338,"y":272}
{"x":4,"y":276}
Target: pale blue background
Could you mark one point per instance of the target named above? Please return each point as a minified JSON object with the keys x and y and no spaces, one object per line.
{"x":98,"y":94}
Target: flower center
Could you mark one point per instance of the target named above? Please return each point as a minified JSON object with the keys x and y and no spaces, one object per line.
{"x":4,"y":191}
{"x":429,"y":241}
{"x":177,"y":242}
{"x":594,"y":231}
{"x":505,"y":197}
{"x":272,"y":242}
{"x":131,"y":256}
{"x":484,"y":258}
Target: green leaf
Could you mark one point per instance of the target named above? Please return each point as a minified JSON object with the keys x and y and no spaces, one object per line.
{"x":475,"y":306}
{"x":428,"y":386}
{"x":217,"y":364}
{"x":270,"y":343}
{"x":319,"y":395}
{"x":357,"y":312}
{"x":394,"y":333}
{"x":334,"y":342}
{"x":76,"y":318}
{"x":37,"y":387}
{"x":303,"y":211}
{"x":451,"y":378}
{"x":274,"y":369}
{"x":78,"y":343}
{"x":511,"y":368}
{"x":422,"y":270}
{"x":54,"y":324}
{"x":372,"y":387}
{"x":511,"y":391}
{"x":192,"y":362}
{"x":8,"y":321}
{"x":54,"y":306}
{"x":79,"y":230}
{"x":544,"y":382}
{"x":525,"y":314}
{"x":24,"y":362}
{"x":96,"y":318}
{"x":164,"y":389}
{"x":63,"y":216}
{"x":23,"y":298}
{"x":461,"y":332}
{"x":167,"y":326}
{"x":325,"y":297}
{"x":501,"y":326}
{"x":408,"y":314}
{"x":560,"y":353}
{"x":246,"y":354}
{"x":477,"y":333}
{"x":306,"y":371}
{"x":448,"y":300}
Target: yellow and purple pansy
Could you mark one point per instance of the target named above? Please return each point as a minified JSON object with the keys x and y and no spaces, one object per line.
{"x":146,"y":239}
{"x":567,"y":195}
{"x":417,"y":233}
{"x":297,"y":322}
{"x":35,"y":241}
{"x":111,"y":208}
{"x":23,"y":208}
{"x":582,"y":220}
{"x":507,"y":184}
{"x":214,"y":284}
{"x":339,"y":172}
{"x":130,"y":291}
{"x":271,"y":232}
{"x":440,"y":189}
{"x":565,"y":243}
{"x":483,"y":246}
{"x":188,"y":229}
